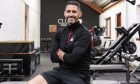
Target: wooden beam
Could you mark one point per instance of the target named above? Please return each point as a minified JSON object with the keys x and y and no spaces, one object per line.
{"x":111,"y":5}
{"x":92,"y":5}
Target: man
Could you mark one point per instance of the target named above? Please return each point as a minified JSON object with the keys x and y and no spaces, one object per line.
{"x":71,"y":50}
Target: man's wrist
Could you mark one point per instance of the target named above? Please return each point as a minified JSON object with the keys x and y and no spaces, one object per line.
{"x":60,"y":54}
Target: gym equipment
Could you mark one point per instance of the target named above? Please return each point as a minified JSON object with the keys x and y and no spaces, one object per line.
{"x":96,"y":32}
{"x":21,"y":50}
{"x":119,"y":43}
{"x":130,"y":47}
{"x":129,"y":57}
{"x":14,"y":82}
{"x":46,"y":44}
{"x":139,"y":34}
{"x":105,"y":82}
{"x":131,"y":1}
{"x":97,"y":52}
{"x":107,"y":67}
{"x":0,"y":24}
{"x":11,"y":68}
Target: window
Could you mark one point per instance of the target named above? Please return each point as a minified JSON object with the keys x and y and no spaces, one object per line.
{"x":118,"y":21}
{"x":108,"y":27}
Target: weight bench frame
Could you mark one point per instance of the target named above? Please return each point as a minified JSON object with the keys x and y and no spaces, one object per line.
{"x":105,"y":67}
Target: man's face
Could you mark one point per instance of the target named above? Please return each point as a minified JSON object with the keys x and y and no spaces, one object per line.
{"x":72,"y":13}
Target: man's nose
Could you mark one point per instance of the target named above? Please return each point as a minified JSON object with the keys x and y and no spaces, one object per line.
{"x":70,"y":14}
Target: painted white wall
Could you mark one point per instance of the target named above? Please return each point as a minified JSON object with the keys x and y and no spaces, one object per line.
{"x":131,"y":14}
{"x":137,"y":2}
{"x":112,"y":12}
{"x":138,"y":13}
{"x":34,"y":21}
{"x":12,"y":16}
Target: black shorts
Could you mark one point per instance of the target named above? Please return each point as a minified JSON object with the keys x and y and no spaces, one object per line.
{"x":62,"y":76}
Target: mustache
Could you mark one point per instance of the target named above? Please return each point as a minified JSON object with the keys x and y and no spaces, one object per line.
{"x":71,"y":17}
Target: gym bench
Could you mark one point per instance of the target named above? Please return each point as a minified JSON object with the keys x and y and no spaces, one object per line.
{"x":95,"y":68}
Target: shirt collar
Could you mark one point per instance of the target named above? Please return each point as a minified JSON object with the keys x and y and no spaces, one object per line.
{"x":74,"y":26}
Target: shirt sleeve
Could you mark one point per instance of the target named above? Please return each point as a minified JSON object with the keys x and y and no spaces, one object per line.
{"x":53,"y":56}
{"x":80,"y":48}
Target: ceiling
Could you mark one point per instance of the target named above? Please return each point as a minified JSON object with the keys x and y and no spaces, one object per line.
{"x":100,"y":5}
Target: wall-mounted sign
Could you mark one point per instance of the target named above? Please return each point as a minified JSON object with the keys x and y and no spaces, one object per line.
{"x":62,"y":22}
{"x":52,"y":28}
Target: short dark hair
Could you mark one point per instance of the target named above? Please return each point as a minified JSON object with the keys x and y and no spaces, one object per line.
{"x":73,"y":2}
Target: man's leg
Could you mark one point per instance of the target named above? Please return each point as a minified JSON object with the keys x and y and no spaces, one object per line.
{"x":39,"y":79}
{"x":70,"y":79}
{"x":49,"y":77}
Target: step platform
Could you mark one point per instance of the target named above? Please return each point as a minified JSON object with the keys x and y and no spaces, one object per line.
{"x":14,"y":82}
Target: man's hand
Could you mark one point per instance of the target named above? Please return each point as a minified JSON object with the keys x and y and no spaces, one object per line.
{"x":60,"y":54}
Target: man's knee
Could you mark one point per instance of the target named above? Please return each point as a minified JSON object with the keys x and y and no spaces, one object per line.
{"x":37,"y":80}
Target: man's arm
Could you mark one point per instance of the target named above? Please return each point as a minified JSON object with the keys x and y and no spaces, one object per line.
{"x":53,"y":52}
{"x":60,"y":54}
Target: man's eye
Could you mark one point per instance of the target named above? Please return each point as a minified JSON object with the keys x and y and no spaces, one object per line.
{"x":74,"y":11}
{"x":68,"y":11}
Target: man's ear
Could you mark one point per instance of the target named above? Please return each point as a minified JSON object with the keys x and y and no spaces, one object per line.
{"x":65,"y":13}
{"x":80,"y":14}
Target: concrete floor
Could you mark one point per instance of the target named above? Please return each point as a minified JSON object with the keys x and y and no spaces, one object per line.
{"x":46,"y":64}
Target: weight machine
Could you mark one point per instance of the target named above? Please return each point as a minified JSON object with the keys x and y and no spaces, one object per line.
{"x":120,"y":44}
{"x":131,"y":58}
{"x":96,"y":41}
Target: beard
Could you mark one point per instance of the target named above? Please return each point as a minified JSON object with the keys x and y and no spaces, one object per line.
{"x":71,"y":20}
